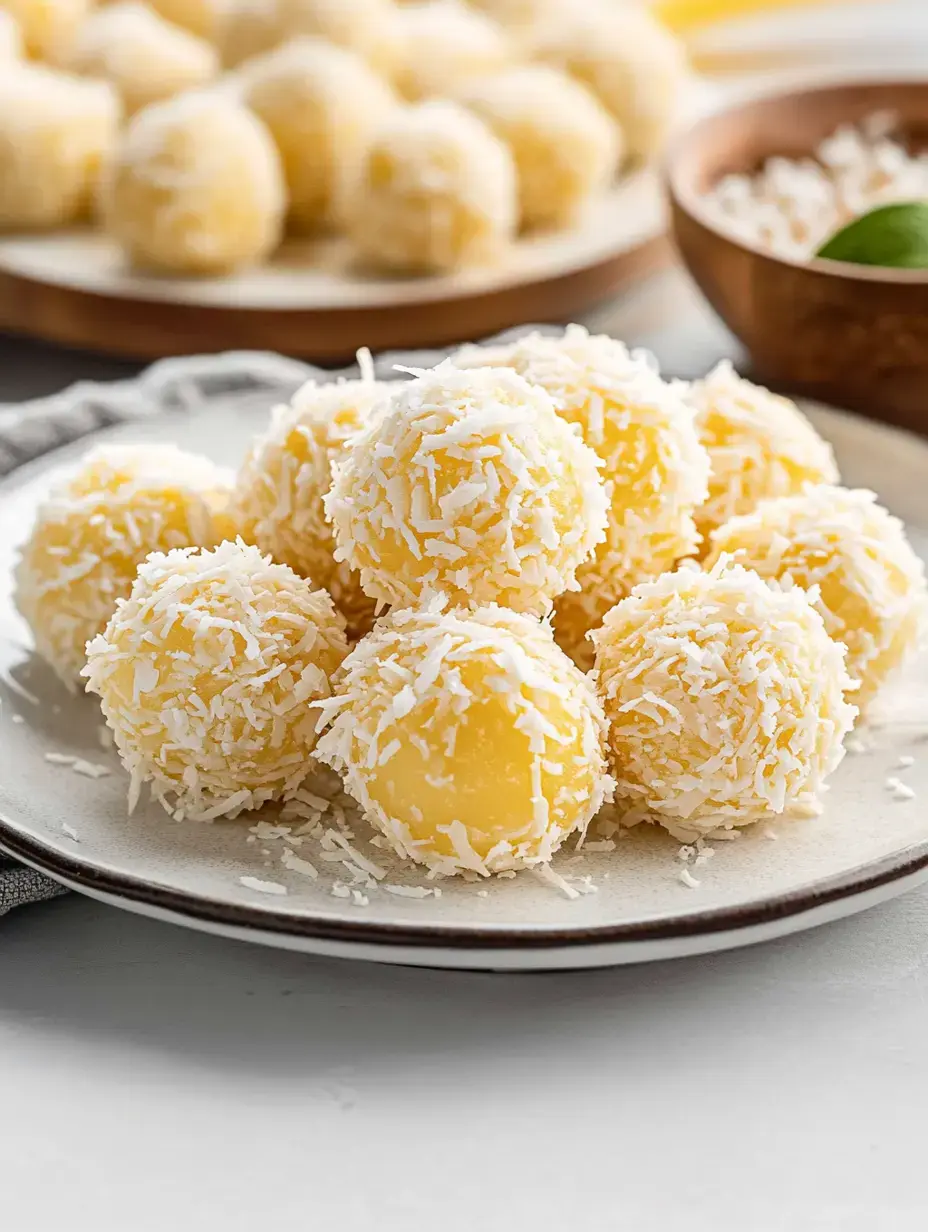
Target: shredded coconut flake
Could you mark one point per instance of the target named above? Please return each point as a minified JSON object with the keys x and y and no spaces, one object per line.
{"x":546,"y":874}
{"x":298,"y":865}
{"x":263,"y":887}
{"x":414,"y":891}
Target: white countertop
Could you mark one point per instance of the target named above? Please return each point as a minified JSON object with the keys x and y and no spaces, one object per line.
{"x":153,"y":1078}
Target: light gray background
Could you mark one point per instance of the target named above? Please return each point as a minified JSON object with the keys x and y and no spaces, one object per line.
{"x":152,"y":1078}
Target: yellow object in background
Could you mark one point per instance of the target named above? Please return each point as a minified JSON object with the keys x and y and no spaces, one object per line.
{"x":683,"y":15}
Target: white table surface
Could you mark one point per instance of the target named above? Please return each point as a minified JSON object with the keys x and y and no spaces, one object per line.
{"x":153,"y":1078}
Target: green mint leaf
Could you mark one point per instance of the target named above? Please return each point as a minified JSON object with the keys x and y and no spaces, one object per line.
{"x":893,"y":236}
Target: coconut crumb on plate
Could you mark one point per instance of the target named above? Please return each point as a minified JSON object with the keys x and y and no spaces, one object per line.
{"x":298,"y":865}
{"x":87,"y":769}
{"x":900,"y":791}
{"x":263,"y":887}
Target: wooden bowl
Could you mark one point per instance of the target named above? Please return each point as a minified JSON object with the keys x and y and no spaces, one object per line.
{"x":852,"y":335}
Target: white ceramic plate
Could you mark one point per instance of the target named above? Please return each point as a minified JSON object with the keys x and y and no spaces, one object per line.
{"x":865,"y":848}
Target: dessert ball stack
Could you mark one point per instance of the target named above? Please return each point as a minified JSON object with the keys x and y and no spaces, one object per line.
{"x":488,"y":529}
{"x":428,"y":136}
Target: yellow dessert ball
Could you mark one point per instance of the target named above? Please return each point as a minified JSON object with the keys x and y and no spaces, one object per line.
{"x":56,"y":131}
{"x":653,"y":465}
{"x":468,"y":483}
{"x":207,"y":673}
{"x":322,"y":105}
{"x":442,"y":45}
{"x":47,"y":26}
{"x":869,"y":586}
{"x":565,"y":145}
{"x":11,"y":39}
{"x":278,"y":501}
{"x":468,"y":738}
{"x":364,"y":26}
{"x":144,"y":57}
{"x":94,"y":530}
{"x":725,"y":699}
{"x":200,"y":17}
{"x":247,"y":28}
{"x":195,"y":186}
{"x":437,"y":192}
{"x":634,"y":65}
{"x":520,"y":14}
{"x":760,"y":446}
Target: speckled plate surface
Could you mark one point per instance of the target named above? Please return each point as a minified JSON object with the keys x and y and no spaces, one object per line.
{"x":868,"y":846}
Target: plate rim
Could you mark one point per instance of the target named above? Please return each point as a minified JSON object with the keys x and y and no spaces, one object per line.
{"x":206,"y":910}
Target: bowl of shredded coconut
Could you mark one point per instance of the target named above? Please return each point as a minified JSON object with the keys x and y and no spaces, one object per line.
{"x":762,"y":191}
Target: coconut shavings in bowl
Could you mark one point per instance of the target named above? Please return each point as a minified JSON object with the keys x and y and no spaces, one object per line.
{"x":792,"y":205}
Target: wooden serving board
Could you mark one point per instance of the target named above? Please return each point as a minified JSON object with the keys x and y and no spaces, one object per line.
{"x":73,"y":287}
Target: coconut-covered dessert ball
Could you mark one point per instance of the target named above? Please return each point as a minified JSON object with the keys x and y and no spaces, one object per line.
{"x":195,"y":186}
{"x":55,"y":133}
{"x":437,"y":191}
{"x":469,"y":484}
{"x":634,"y":65}
{"x":869,"y":584}
{"x":653,"y":465}
{"x":565,"y":144}
{"x":207,"y":673}
{"x":143,"y":56}
{"x":279,"y":493}
{"x":444,"y":44}
{"x":47,"y":26}
{"x":725,"y":699}
{"x":94,"y":530}
{"x":364,"y":26}
{"x":468,"y":738}
{"x":322,"y":105}
{"x":760,"y":446}
{"x":11,"y":39}
{"x":519,"y":15}
{"x":247,"y":28}
{"x":200,"y":17}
